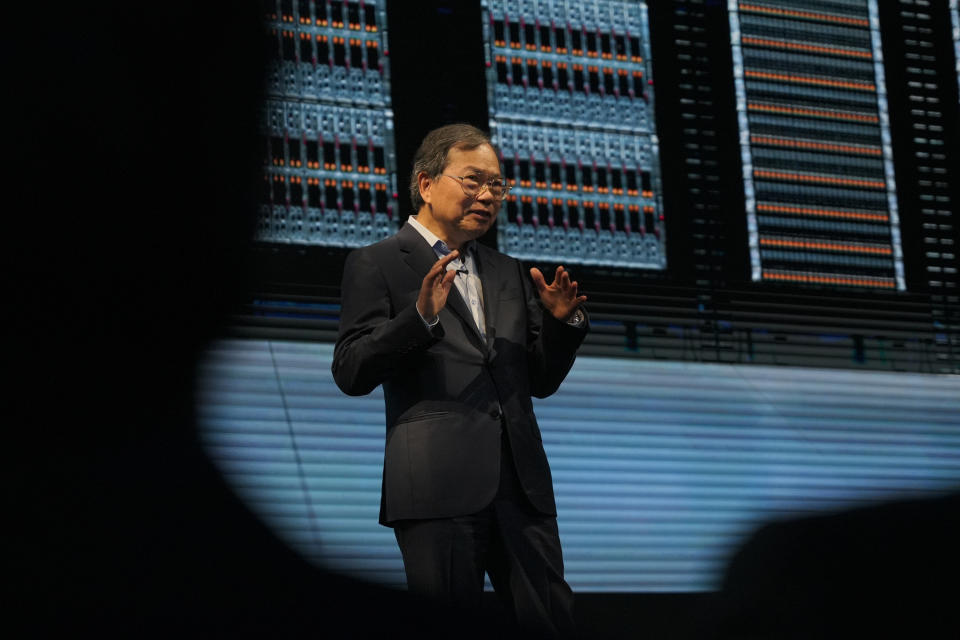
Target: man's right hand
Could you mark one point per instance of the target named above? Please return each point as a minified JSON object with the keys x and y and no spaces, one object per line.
{"x":436,"y":287}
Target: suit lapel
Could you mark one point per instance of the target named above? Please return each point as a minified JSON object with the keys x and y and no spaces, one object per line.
{"x":420,"y":257}
{"x":417,"y":253}
{"x":490,"y":276}
{"x":458,"y":305}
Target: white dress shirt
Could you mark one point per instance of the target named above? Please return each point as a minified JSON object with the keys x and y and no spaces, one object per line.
{"x":467,"y":280}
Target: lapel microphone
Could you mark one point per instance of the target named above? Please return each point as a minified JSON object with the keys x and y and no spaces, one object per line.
{"x":441,"y":247}
{"x":461,"y":262}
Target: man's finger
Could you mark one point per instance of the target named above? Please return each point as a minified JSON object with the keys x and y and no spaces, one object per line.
{"x":442,"y":279}
{"x":442,"y":263}
{"x":538,"y":279}
{"x":438,"y":268}
{"x":445,"y":260}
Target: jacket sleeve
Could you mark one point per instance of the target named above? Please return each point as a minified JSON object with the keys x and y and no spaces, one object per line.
{"x":551,"y":344}
{"x":375,"y":338}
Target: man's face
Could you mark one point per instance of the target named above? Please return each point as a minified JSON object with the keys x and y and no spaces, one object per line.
{"x":452,"y":215}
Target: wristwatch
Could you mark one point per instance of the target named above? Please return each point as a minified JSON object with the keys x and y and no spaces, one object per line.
{"x":576,"y":319}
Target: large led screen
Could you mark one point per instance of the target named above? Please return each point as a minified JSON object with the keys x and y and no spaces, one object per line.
{"x":660,"y":468}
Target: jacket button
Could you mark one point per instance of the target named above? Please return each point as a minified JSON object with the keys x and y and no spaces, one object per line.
{"x":495,"y":414}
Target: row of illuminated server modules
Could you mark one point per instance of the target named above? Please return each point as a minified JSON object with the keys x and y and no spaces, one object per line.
{"x":328,"y":66}
{"x":577,"y":40}
{"x":353,"y":212}
{"x":559,"y":74}
{"x":325,"y":84}
{"x":589,"y":102}
{"x":522,"y":32}
{"x":317,"y":27}
{"x":600,"y":210}
{"x":575,"y":76}
{"x":329,"y":48}
{"x":355,"y":15}
{"x":532,"y":103}
{"x":570,"y":240}
{"x":292,"y":157}
{"x":354,"y":65}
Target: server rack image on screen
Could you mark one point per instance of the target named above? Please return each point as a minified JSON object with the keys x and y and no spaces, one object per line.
{"x":818,"y":174}
{"x":955,"y":27}
{"x":570,"y":94}
{"x":330,"y":174}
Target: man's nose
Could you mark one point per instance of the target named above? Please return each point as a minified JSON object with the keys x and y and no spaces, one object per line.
{"x":484,"y":194}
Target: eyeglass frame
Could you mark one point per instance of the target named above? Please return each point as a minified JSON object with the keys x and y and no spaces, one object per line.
{"x":486,"y":185}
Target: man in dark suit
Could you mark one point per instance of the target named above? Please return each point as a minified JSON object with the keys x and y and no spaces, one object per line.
{"x":461,"y":337}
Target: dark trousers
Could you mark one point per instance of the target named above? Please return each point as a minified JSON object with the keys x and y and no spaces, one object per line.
{"x":518,"y":547}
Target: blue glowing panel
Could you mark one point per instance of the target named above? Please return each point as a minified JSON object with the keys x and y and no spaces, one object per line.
{"x":815,"y":143}
{"x":570,"y":94}
{"x":330,"y":173}
{"x":955,"y":29}
{"x":660,"y":468}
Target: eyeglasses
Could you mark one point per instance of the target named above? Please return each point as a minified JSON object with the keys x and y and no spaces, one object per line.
{"x":473,"y":187}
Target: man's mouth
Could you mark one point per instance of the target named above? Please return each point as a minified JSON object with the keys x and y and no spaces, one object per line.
{"x":482,"y":213}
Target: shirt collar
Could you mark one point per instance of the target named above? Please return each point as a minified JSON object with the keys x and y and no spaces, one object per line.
{"x":439,"y":246}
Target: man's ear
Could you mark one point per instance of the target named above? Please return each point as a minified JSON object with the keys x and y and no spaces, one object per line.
{"x":425,"y":182}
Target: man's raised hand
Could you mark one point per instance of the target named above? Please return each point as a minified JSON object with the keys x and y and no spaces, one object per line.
{"x":436,"y":286}
{"x":560,"y":298}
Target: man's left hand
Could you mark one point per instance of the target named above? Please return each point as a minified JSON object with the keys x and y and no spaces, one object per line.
{"x":560,"y":298}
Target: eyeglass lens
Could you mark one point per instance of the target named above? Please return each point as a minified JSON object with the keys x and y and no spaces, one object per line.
{"x":473,"y":187}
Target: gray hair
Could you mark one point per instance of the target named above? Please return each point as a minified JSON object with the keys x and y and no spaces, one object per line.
{"x":431,"y":156}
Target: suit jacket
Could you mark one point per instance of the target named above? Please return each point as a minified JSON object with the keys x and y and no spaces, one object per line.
{"x":445,"y":388}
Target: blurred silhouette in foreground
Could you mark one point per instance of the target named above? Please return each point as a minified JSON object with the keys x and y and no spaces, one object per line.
{"x":136,"y":158}
{"x":890,"y":570}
